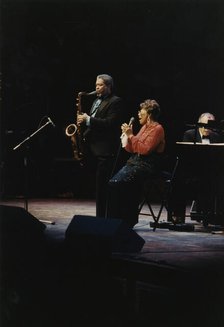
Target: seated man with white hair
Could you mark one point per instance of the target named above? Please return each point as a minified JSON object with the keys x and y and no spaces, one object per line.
{"x":190,"y":183}
{"x":203,"y":134}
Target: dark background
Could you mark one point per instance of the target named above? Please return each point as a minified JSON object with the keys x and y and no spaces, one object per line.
{"x":172,"y":51}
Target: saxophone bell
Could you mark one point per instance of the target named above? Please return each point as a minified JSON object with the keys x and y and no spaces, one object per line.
{"x":71,"y":130}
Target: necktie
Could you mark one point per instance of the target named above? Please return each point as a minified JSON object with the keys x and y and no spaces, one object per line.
{"x":95,"y":107}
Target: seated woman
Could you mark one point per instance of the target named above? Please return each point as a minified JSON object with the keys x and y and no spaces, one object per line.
{"x":125,"y":187}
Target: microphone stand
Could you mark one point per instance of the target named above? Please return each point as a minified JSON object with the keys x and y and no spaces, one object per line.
{"x":25,"y":161}
{"x":29,"y":137}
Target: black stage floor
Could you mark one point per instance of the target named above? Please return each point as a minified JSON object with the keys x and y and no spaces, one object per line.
{"x":177,"y":279}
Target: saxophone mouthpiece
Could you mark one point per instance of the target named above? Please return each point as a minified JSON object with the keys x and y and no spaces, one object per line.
{"x":85,"y":93}
{"x":92,"y":93}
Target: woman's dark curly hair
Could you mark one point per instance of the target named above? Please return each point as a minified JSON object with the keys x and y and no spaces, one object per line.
{"x":152,"y":107}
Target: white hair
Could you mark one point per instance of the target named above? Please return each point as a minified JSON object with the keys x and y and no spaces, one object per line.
{"x":208,"y":115}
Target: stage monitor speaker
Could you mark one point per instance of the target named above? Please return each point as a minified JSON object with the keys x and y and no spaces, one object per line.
{"x":22,"y":236}
{"x":17,"y":219}
{"x":94,"y":235}
{"x":18,"y":225}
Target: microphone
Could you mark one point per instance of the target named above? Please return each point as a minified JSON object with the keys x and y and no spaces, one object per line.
{"x":50,"y":121}
{"x":131,"y":121}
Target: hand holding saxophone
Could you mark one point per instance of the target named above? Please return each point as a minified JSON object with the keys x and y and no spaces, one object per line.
{"x":81,"y":118}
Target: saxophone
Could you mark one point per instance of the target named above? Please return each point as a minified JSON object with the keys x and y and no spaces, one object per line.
{"x":75,"y":133}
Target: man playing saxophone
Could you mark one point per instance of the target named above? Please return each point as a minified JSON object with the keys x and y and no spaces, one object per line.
{"x":102,"y":135}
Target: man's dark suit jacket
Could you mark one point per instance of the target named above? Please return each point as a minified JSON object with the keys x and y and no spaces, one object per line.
{"x":189,"y":136}
{"x":103,"y":134}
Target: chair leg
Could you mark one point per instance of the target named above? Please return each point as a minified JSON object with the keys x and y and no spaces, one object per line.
{"x":156,"y":219}
{"x":141,"y":206}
